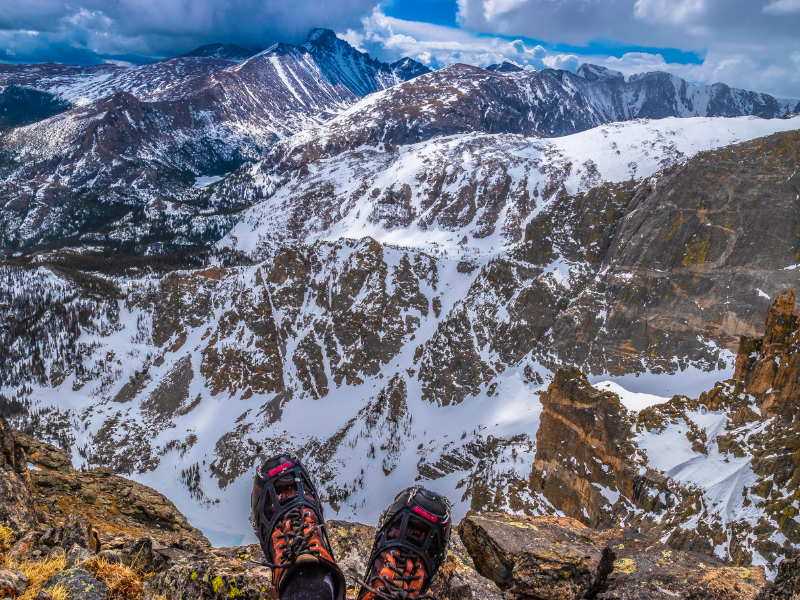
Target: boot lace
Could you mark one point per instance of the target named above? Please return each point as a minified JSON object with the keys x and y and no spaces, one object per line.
{"x":295,"y":541}
{"x":394,"y":589}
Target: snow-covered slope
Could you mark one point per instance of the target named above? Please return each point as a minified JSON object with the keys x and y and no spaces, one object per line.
{"x":464,"y":195}
{"x":546,"y":103}
{"x":82,"y":85}
{"x":383,"y":364}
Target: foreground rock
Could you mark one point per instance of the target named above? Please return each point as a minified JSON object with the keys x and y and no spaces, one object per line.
{"x":97,"y":509}
{"x":80,"y":584}
{"x":16,"y":502}
{"x":554,"y":558}
{"x":13,"y":582}
{"x":787,"y":584}
{"x":123,"y":541}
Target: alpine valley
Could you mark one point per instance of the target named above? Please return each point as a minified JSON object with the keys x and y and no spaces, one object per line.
{"x":537,"y":292}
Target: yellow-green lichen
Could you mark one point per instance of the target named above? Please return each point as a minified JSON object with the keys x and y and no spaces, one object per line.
{"x":235,"y":591}
{"x":624,"y":565}
{"x":217,"y":583}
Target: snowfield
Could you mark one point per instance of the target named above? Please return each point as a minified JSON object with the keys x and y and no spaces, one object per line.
{"x":343,"y":203}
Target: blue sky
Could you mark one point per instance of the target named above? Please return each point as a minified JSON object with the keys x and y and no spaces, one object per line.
{"x":445,"y":13}
{"x":752,"y":44}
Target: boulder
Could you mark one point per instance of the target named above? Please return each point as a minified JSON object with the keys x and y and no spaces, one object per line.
{"x":457,"y":578}
{"x":77,"y":555}
{"x":80,"y":583}
{"x":77,"y":530}
{"x":24,"y":546}
{"x":557,"y":558}
{"x":51,"y":537}
{"x":13,"y":583}
{"x":351,"y":544}
{"x":212,"y":577}
{"x":143,"y":554}
{"x":550,"y":558}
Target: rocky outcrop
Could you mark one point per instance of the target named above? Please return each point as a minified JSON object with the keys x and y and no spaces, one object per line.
{"x":492,"y":556}
{"x":768,"y":368}
{"x":584,"y":449}
{"x":787,"y":583}
{"x":605,"y":466}
{"x":16,"y":500}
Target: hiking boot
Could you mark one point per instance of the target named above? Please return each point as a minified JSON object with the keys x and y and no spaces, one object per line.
{"x":410,"y":545}
{"x":287,"y":519}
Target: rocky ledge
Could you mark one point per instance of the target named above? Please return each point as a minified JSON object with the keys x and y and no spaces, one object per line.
{"x":95,"y":535}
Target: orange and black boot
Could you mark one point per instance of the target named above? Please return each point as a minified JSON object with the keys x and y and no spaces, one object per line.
{"x":287,"y":519}
{"x":410,"y":545}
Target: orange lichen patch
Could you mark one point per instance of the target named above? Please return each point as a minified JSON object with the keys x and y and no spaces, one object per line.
{"x":124,"y":583}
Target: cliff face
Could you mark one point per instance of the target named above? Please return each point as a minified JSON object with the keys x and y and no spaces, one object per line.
{"x":16,"y":502}
{"x":768,"y":368}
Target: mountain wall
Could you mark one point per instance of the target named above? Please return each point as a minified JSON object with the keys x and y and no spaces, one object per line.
{"x":546,"y":103}
{"x":382,"y":363}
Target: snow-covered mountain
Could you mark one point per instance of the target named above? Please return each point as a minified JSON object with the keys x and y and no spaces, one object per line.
{"x":546,"y":103}
{"x":414,"y":357}
{"x":202,"y":113}
{"x":467,"y":195}
{"x":82,"y":85}
{"x":398,"y":276}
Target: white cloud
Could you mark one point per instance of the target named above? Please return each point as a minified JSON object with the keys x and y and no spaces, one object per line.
{"x":668,"y":11}
{"x":753,"y":66}
{"x":742,"y":42}
{"x":781,"y":7}
{"x":494,"y":8}
{"x":438,"y":46}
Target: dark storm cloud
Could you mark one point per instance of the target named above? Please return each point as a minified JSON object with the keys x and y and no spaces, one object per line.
{"x":86,"y":30}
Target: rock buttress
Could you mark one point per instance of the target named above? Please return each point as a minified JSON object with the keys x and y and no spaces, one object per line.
{"x":583,"y":449}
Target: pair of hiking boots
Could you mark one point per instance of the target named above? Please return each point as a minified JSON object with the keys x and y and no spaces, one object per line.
{"x":410,"y":542}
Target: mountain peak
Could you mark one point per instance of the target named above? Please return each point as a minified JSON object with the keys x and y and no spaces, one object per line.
{"x":506,"y":66}
{"x":407,"y":68}
{"x":321,"y":34}
{"x":597,"y":73}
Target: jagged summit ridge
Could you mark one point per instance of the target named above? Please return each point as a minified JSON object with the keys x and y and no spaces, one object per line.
{"x":339,"y":62}
{"x":592,"y":72}
{"x":231,"y":51}
{"x":506,"y":66}
{"x":547,"y":103}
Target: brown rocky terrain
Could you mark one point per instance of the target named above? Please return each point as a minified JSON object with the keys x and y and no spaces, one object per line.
{"x":122,"y":540}
{"x":588,"y":442}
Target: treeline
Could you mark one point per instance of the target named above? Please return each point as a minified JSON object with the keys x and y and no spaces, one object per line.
{"x":42,"y":315}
